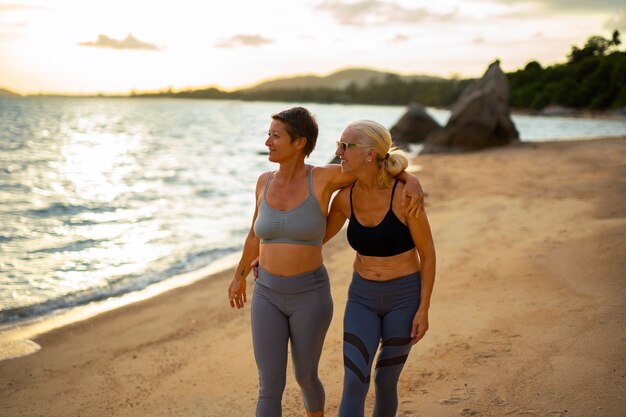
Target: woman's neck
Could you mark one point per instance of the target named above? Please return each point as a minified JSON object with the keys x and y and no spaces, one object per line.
{"x":367,"y":177}
{"x":288,"y":170}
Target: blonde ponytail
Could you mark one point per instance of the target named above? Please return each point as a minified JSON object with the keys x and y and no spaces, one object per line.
{"x":389,"y":158}
{"x":390,"y":166}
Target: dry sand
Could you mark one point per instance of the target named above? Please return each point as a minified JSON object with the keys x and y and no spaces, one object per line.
{"x":528,"y":315}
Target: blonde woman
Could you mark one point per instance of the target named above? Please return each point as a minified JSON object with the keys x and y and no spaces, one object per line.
{"x":394,"y":268}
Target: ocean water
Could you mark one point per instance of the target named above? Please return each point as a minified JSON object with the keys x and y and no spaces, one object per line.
{"x":105,"y":197}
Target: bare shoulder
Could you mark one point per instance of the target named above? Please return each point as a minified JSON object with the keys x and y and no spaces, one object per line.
{"x":262,"y":180}
{"x":263,"y":177}
{"x":326,"y":177}
{"x":326,"y":172}
{"x":333,"y":177}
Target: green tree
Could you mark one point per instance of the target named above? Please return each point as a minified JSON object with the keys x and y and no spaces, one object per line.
{"x":596,"y":46}
{"x":615,"y":39}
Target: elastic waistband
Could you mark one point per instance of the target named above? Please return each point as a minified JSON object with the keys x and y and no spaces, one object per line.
{"x":394,"y":285}
{"x":303,"y":282}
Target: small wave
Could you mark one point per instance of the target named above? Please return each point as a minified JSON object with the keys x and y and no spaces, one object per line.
{"x":56,"y":304}
{"x":210,"y":193}
{"x":80,"y":222}
{"x":205,"y":193}
{"x":71,"y":247}
{"x":14,"y":187}
{"x":4,"y":239}
{"x":197,"y":260}
{"x":62,"y":209}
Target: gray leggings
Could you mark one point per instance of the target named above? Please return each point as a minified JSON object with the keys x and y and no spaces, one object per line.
{"x":299,"y":308}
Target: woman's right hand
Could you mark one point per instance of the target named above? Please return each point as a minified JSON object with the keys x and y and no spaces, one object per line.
{"x":237,"y":292}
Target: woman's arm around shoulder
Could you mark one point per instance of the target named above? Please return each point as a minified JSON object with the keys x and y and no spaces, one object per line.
{"x":331,"y":178}
{"x":334,"y":177}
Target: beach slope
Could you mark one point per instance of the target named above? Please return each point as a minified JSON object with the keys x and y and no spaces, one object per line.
{"x":528,"y":315}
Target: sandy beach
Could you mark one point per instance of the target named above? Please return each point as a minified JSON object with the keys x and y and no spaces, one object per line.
{"x":528,"y":314}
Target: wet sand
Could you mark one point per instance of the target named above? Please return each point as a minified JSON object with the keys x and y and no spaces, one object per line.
{"x":528,"y":315}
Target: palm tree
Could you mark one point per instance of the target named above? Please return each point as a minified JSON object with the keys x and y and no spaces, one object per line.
{"x":615,"y":40}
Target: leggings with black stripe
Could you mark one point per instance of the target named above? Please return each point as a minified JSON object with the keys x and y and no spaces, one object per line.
{"x":377,"y":311}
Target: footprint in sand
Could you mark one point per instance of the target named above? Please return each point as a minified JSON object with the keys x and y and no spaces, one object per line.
{"x":467,"y":412}
{"x":497,"y":401}
{"x":454,"y":399}
{"x":458,"y":395}
{"x":526,"y":412}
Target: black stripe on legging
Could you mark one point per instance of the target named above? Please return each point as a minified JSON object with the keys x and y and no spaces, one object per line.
{"x":391,"y":361}
{"x":354,"y":368}
{"x":355,"y":341}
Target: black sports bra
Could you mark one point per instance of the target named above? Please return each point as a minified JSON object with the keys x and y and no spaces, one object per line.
{"x":388,"y":238}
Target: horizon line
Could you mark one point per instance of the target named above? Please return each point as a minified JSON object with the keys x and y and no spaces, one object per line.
{"x":245,"y":86}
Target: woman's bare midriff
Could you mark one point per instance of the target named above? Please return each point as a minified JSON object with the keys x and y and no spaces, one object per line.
{"x":285,"y":259}
{"x":377,"y":268}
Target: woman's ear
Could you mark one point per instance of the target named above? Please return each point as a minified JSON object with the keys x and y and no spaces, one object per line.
{"x":301,"y":142}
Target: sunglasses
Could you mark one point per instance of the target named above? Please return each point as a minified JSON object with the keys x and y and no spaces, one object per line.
{"x":344,"y":146}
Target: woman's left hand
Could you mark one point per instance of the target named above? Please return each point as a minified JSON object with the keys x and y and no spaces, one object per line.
{"x":413,"y":192}
{"x":419,"y":327}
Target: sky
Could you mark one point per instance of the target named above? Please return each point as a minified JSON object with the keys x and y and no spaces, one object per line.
{"x":116,"y":46}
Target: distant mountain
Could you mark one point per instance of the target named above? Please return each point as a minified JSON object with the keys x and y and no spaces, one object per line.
{"x":7,"y":93}
{"x":337,"y":80}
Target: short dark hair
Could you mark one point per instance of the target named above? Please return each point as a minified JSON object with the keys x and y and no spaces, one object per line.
{"x":300,"y":123}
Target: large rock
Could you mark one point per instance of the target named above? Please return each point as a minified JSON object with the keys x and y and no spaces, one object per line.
{"x":413,"y":126}
{"x":481,"y":117}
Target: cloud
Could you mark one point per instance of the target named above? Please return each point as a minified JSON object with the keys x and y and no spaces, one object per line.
{"x":375,"y":12}
{"x":616,"y":9}
{"x":572,"y":5}
{"x":244,"y":40}
{"x":399,"y":38}
{"x":478,"y":40}
{"x":130,"y":42}
{"x":10,"y":7}
{"x":12,"y":30}
{"x":617,"y":22}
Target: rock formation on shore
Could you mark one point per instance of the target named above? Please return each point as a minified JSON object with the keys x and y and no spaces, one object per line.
{"x":481,"y":117}
{"x":413,"y":127}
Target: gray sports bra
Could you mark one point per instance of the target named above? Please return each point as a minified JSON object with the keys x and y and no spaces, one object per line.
{"x":303,"y":225}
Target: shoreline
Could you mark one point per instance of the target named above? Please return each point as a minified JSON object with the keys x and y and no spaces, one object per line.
{"x":15,"y":337}
{"x":527,"y":315}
